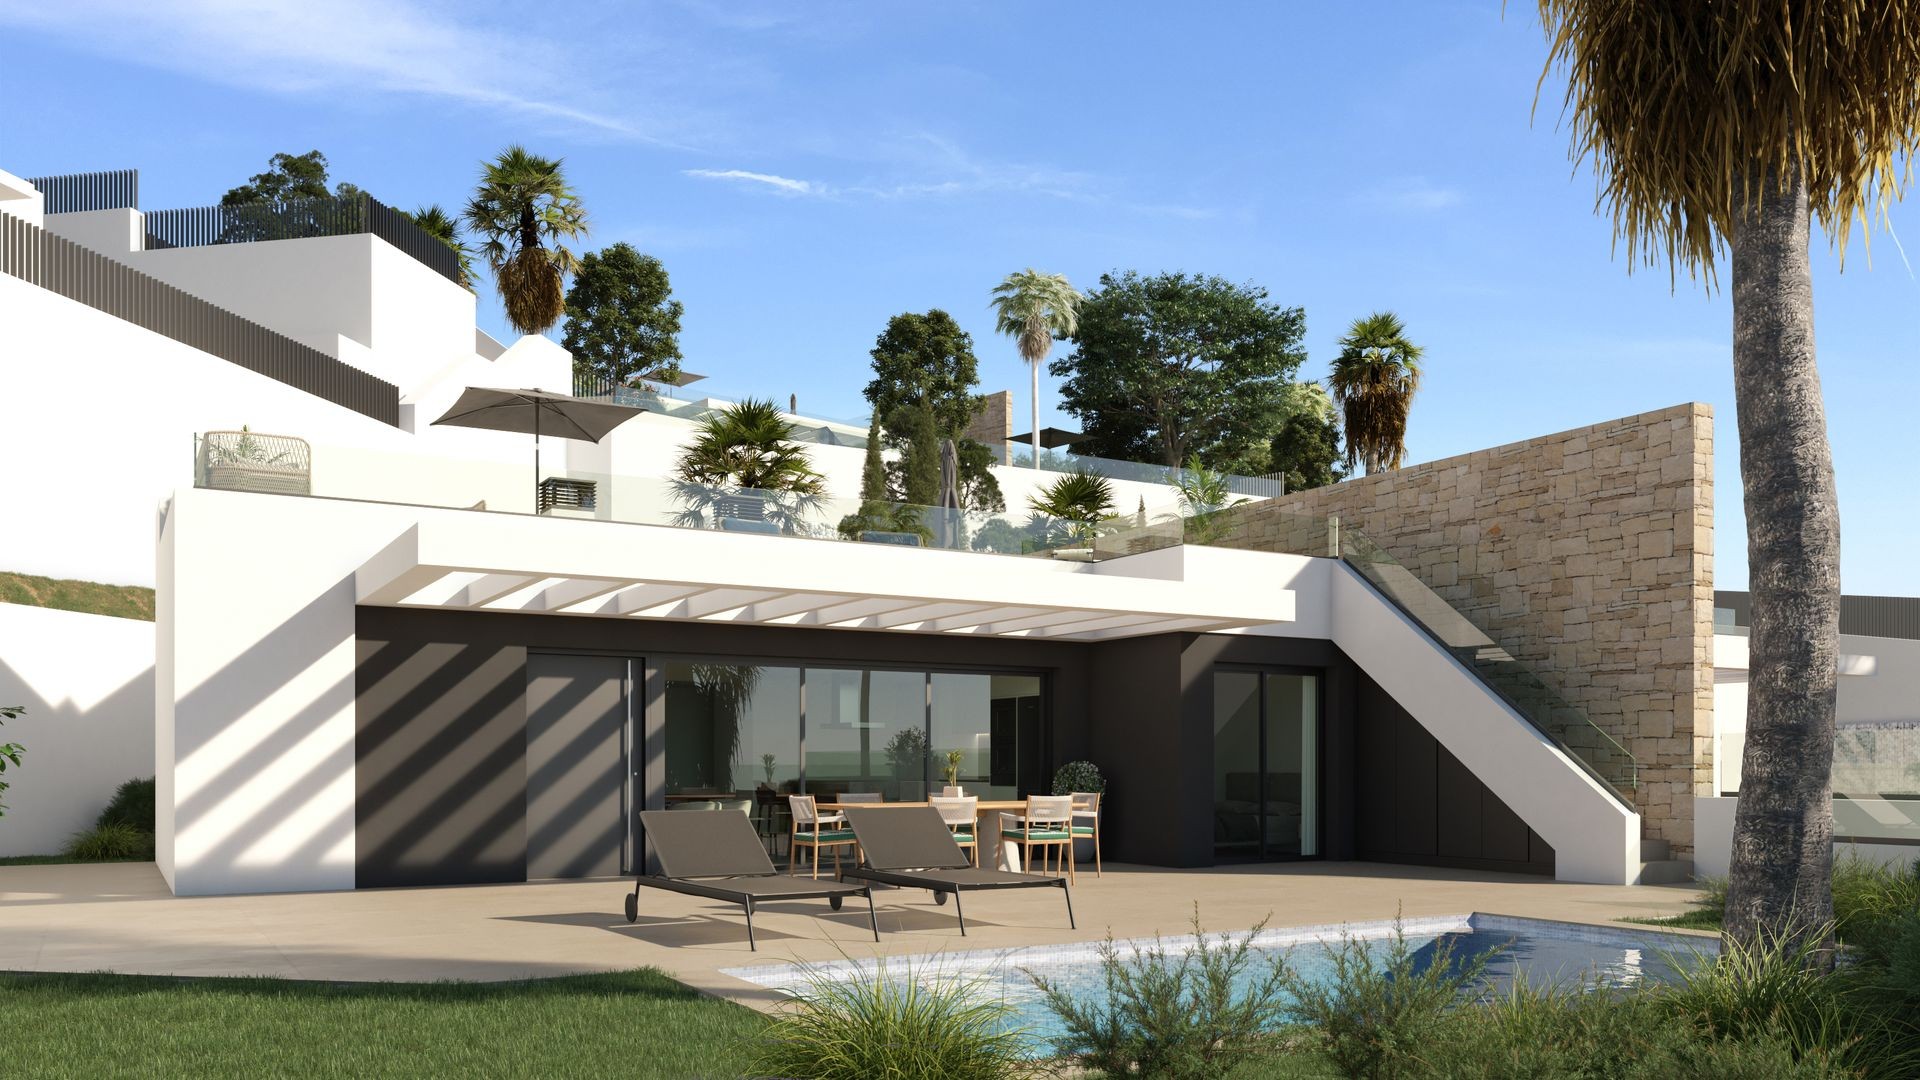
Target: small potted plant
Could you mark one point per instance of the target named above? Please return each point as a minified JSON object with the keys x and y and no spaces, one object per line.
{"x":951,"y":772}
{"x":766,"y":763}
{"x":1081,"y":777}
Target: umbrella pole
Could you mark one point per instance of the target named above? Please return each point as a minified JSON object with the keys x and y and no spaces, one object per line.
{"x":536,"y":457}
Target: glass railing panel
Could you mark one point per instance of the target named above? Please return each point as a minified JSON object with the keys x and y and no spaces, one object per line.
{"x":1877,"y":760}
{"x":242,"y":461}
{"x":1017,"y":455}
{"x":1552,"y":714}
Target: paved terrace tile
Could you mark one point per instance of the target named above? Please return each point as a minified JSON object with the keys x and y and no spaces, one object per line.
{"x":120,"y":917}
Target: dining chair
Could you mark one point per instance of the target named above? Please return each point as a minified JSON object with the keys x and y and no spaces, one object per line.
{"x":962,"y":815}
{"x":1086,"y":822}
{"x":1047,"y":825}
{"x":815,"y":830}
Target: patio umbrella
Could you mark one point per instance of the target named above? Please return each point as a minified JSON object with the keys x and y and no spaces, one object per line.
{"x":536,"y":412}
{"x":949,"y":494}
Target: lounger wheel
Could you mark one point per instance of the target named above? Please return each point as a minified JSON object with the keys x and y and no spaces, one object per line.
{"x":633,"y":907}
{"x":940,"y":898}
{"x":834,"y":902}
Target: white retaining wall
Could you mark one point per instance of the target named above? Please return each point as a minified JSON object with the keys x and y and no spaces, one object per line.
{"x":87,"y":683}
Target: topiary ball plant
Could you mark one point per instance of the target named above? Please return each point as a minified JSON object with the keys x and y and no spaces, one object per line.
{"x":1079,"y":776}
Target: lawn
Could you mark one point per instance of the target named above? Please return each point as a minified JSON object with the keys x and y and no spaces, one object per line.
{"x":632,"y":1023}
{"x":93,"y":598}
{"x":61,"y":860}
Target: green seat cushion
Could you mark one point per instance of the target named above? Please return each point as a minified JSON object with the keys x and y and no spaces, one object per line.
{"x":963,"y":838}
{"x":807,"y":836}
{"x":1016,"y":834}
{"x":1083,"y":830}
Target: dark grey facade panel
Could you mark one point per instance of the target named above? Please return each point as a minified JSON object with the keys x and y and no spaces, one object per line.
{"x":440,"y":773}
{"x":443,"y":763}
{"x":576,"y":765}
{"x":1416,"y":803}
{"x":1866,"y":616}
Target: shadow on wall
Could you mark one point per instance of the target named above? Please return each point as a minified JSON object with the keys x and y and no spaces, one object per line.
{"x":226,"y":815}
{"x":79,"y":748}
{"x":440,"y":764}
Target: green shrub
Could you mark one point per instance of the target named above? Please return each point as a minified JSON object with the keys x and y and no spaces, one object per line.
{"x":114,"y":840}
{"x":132,"y":805}
{"x":1081,"y":776}
{"x":1871,"y":902}
{"x":1378,"y":1013}
{"x":1774,"y":991}
{"x":905,"y":1025}
{"x":1173,"y":1016}
{"x":1586,"y":1033}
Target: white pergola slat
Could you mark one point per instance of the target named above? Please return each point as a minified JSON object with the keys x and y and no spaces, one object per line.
{"x":588,"y":569}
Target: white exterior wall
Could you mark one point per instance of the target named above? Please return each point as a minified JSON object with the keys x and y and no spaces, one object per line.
{"x":412,"y":322}
{"x":109,"y":232}
{"x":87,"y":684}
{"x":257,"y":679}
{"x":21,"y":199}
{"x":118,"y":408}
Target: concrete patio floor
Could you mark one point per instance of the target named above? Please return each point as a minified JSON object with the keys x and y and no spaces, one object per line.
{"x":120,"y":917}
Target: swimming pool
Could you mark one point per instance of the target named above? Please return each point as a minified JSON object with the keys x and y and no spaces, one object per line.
{"x":1542,"y":952}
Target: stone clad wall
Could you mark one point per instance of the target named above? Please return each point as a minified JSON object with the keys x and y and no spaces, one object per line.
{"x":1587,"y":554}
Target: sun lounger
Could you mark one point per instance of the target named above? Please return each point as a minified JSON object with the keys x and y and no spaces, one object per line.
{"x":717,"y":855}
{"x":910,"y":846}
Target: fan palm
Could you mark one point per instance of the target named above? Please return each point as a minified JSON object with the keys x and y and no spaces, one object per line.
{"x":436,"y":223}
{"x":1077,"y":503}
{"x":1035,"y":308}
{"x":1736,"y":123}
{"x":1204,"y":494}
{"x":1374,"y":380}
{"x":743,"y":462}
{"x":521,"y":211}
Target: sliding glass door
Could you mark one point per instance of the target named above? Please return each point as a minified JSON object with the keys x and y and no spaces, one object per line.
{"x":739,"y":734}
{"x":1266,"y":764}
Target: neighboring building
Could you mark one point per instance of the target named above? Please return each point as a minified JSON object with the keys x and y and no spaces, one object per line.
{"x":378,"y":662}
{"x":1876,"y":759}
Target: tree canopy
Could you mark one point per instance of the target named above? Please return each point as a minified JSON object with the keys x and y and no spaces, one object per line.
{"x":924,"y":374}
{"x":622,"y":319}
{"x":1306,"y":449}
{"x":925,"y":360}
{"x":288,"y":177}
{"x":1178,"y":365}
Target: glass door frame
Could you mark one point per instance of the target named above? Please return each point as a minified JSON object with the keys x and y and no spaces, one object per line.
{"x":1319,"y":748}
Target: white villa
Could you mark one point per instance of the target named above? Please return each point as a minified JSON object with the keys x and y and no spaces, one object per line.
{"x":384,"y":655}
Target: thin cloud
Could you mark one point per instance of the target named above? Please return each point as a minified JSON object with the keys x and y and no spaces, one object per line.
{"x":345,"y":47}
{"x":1412,"y":194}
{"x":784,"y":185}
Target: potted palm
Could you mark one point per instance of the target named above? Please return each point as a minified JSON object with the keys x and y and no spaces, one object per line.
{"x":743,"y":471}
{"x":1071,"y":508}
{"x":951,"y":772}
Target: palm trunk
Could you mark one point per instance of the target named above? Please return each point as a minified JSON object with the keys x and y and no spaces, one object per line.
{"x":1035,"y":365}
{"x":1783,"y":830}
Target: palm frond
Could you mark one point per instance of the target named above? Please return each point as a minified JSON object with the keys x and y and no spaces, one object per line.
{"x":1686,"y":109}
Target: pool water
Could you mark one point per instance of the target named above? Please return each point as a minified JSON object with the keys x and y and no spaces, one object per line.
{"x":1539,"y":951}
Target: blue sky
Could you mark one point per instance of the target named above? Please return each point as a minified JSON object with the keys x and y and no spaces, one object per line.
{"x":807,"y":170}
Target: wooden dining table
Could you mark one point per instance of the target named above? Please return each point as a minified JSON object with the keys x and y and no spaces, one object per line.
{"x":1002,"y":861}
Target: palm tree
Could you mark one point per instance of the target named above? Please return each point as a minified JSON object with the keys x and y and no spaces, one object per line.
{"x":1076,"y":503}
{"x":1737,"y":123}
{"x":1204,"y":494}
{"x":1374,"y":380}
{"x":743,"y":463}
{"x":1035,"y":308}
{"x":435,"y":223}
{"x":522,"y":209}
